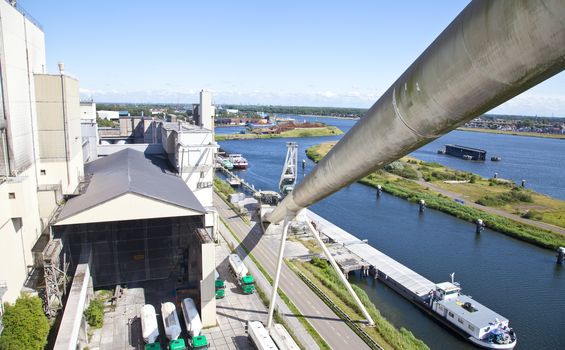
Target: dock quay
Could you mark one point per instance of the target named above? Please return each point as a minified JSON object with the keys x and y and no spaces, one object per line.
{"x":360,"y":255}
{"x":235,"y":180}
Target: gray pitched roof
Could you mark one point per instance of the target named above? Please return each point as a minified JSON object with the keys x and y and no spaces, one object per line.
{"x":131,"y":171}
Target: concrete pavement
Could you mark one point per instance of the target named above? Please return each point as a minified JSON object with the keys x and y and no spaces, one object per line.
{"x":330,"y":327}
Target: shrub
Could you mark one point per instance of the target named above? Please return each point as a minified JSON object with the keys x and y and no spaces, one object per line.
{"x":513,"y":196}
{"x":222,"y":186}
{"x":533,"y":215}
{"x":401,"y":169}
{"x":94,"y":313}
{"x":25,"y":325}
{"x":320,"y":263}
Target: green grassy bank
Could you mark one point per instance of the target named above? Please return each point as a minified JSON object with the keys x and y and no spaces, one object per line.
{"x":298,"y":132}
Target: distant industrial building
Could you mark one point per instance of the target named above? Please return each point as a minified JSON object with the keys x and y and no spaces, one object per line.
{"x":89,"y":131}
{"x":203,"y":113}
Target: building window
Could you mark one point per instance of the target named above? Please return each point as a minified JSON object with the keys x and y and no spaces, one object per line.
{"x":459,"y":320}
{"x":451,"y":314}
{"x":43,"y":172}
{"x":472,"y":328}
{"x":202,"y":174}
{"x":12,"y":195}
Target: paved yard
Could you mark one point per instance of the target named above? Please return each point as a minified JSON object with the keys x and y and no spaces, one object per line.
{"x":122,"y":325}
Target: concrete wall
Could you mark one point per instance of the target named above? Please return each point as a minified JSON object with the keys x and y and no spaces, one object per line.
{"x":196,"y":155}
{"x":207,"y":286}
{"x":89,"y":134}
{"x":88,"y":111}
{"x":206,"y":110}
{"x":58,"y":128}
{"x":20,"y":227}
{"x":22,"y":53}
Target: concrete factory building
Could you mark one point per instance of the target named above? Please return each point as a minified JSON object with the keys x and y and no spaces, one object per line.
{"x":138,"y":221}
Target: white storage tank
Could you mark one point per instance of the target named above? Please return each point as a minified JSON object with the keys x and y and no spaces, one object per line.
{"x":282,"y":338}
{"x":149,"y":328}
{"x":170,"y":320}
{"x":237,"y":266}
{"x":259,"y":336}
{"x":191,"y":317}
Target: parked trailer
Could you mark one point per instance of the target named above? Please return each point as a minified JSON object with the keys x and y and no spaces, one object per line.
{"x":281,"y":337}
{"x":170,"y":320}
{"x":242,"y":274}
{"x":259,"y":336}
{"x":149,"y":328}
{"x":191,"y":317}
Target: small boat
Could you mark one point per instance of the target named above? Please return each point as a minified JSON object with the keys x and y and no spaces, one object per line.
{"x":224,"y":162}
{"x":238,"y":161}
{"x":495,"y":158}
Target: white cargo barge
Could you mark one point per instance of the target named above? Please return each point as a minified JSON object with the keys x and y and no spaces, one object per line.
{"x":443,"y":301}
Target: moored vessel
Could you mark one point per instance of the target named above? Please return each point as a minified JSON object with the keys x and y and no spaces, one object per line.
{"x":238,"y":161}
{"x":479,"y":324}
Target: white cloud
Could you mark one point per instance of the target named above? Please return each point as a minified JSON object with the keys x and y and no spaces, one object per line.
{"x":533,"y":104}
{"x":528,"y":103}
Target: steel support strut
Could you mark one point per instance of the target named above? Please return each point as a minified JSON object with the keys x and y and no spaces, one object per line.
{"x":340,"y":274}
{"x":287,"y":219}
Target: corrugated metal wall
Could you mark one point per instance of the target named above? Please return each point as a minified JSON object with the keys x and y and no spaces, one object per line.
{"x":3,"y":136}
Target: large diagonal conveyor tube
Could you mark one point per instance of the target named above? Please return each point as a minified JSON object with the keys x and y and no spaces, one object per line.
{"x":491,"y":52}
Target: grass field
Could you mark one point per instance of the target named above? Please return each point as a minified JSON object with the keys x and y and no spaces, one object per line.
{"x":298,"y":132}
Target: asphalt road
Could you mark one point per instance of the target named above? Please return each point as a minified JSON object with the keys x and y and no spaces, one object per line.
{"x":330,"y":327}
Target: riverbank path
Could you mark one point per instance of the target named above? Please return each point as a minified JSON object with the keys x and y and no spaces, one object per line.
{"x":491,"y":210}
{"x":328,"y":325}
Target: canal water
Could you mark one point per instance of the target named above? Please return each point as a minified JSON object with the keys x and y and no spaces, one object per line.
{"x":517,"y":280}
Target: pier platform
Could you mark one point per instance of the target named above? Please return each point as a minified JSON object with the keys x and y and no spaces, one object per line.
{"x":381,"y":264}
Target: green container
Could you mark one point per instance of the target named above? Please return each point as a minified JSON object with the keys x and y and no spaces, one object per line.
{"x":248,"y":284}
{"x":199,"y":342}
{"x":153,"y":346}
{"x":178,"y":344}
{"x":220,"y":293}
{"x":220,"y":284}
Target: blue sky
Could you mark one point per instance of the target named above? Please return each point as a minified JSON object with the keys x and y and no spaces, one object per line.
{"x":317,"y":53}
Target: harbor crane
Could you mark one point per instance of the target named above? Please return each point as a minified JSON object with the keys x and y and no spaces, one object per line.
{"x":290,"y":169}
{"x":491,"y":52}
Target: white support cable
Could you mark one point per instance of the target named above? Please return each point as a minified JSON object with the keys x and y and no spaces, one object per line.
{"x":340,"y":274}
{"x":287,"y":219}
